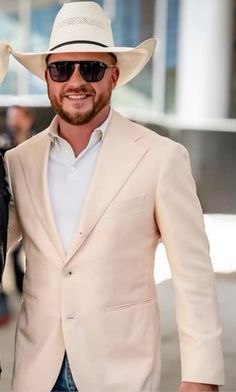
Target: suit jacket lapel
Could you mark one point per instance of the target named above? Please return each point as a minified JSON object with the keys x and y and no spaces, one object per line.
{"x":118,"y":157}
{"x":35,"y":164}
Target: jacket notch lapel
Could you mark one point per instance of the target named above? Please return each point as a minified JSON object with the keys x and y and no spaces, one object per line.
{"x":118,"y":158}
{"x":37,"y":183}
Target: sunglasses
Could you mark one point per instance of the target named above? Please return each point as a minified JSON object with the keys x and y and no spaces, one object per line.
{"x":91,"y":71}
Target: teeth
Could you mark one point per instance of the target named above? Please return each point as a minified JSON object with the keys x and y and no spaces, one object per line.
{"x":81,"y":96}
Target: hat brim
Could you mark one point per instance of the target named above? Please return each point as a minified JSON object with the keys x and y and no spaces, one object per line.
{"x":129,"y":60}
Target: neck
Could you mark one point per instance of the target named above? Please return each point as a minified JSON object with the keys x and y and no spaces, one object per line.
{"x":78,"y":135}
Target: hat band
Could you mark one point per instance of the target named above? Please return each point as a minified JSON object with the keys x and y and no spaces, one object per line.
{"x":79,"y":42}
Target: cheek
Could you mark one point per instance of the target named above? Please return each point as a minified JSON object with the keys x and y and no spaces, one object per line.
{"x":52,"y":89}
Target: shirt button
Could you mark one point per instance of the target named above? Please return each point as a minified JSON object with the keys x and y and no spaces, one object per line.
{"x":73,"y":169}
{"x":70,"y":317}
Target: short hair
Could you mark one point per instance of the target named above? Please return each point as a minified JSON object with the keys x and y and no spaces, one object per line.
{"x":28,"y":111}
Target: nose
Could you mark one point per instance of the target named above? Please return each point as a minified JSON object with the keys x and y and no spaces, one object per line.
{"x":76,"y":76}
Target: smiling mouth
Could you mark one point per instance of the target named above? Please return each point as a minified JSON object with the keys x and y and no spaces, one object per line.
{"x":77,"y":96}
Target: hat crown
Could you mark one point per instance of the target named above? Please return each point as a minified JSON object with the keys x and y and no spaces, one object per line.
{"x":82,"y":26}
{"x":82,"y":21}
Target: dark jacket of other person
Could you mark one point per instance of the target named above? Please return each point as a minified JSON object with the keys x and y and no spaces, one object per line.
{"x":4,"y":200}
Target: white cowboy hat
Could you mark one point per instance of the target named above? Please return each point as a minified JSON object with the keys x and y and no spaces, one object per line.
{"x":82,"y":27}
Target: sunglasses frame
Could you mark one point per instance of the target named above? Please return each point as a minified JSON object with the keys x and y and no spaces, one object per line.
{"x":81,"y":70}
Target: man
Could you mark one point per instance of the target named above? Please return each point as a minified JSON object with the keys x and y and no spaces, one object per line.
{"x":92,"y":196}
{"x":19,"y":120}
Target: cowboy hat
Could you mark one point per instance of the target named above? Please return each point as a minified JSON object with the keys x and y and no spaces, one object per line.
{"x":82,"y":27}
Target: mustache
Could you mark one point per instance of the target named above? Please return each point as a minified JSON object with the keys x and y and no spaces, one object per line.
{"x":79,"y":90}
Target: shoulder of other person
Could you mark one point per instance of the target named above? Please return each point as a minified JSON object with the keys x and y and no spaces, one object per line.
{"x":1,"y":165}
{"x":5,"y":141}
{"x":3,"y":184}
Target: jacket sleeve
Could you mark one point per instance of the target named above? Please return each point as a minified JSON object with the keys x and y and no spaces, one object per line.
{"x":180,"y":221}
{"x":4,"y":200}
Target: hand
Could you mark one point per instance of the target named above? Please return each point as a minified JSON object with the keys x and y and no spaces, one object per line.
{"x":197,"y":387}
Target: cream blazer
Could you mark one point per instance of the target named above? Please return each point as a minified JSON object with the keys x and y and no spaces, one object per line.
{"x":98,"y":302}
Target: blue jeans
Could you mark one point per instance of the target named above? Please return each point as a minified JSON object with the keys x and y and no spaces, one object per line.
{"x":65,"y":380}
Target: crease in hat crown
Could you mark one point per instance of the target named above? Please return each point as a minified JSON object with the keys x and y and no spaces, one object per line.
{"x":86,"y":20}
{"x":82,"y":26}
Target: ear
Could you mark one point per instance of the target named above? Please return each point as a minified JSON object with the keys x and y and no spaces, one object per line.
{"x":115,"y":76}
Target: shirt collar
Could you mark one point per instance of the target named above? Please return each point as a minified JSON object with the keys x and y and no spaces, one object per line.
{"x":53,"y":129}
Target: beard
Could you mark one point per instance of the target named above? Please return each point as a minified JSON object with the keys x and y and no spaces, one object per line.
{"x":80,"y":118}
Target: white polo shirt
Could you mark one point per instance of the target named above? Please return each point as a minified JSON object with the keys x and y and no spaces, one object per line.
{"x":68,"y":179}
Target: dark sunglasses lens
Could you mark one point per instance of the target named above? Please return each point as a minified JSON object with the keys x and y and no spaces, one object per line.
{"x":61,"y":71}
{"x":92,"y":71}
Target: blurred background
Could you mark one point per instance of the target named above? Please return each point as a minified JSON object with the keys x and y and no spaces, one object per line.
{"x":188,"y":93}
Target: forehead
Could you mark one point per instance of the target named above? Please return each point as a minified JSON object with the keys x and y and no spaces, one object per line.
{"x":14,"y":111}
{"x":78,"y":56}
